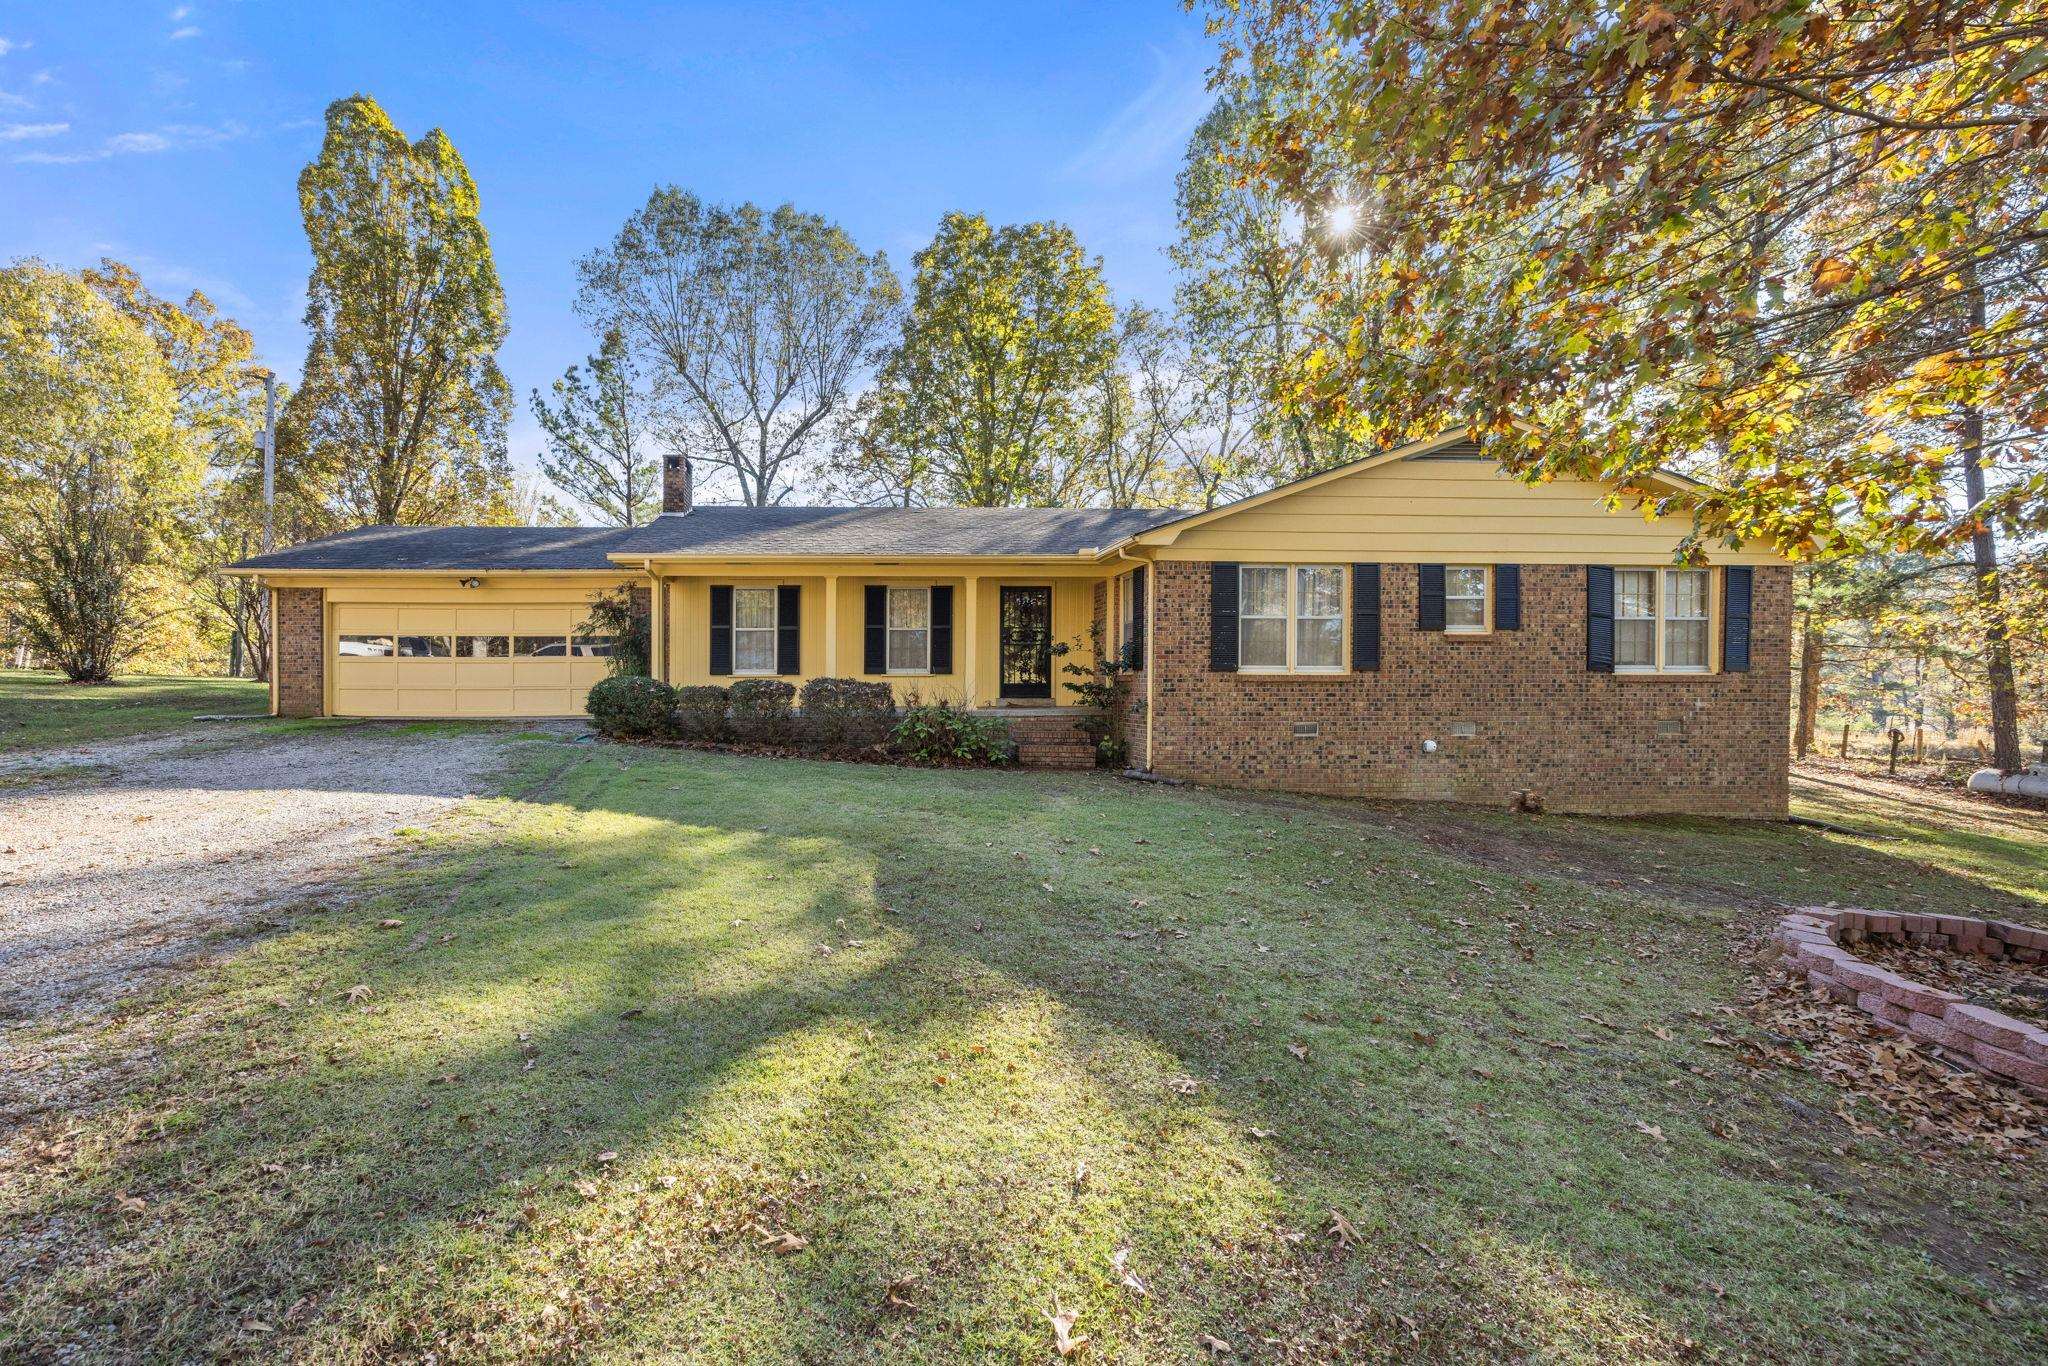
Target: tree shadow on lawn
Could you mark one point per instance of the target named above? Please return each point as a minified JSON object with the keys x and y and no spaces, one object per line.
{"x":986,"y":1085}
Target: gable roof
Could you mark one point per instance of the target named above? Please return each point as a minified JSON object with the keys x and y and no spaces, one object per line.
{"x":890,"y":533}
{"x":449,"y":547}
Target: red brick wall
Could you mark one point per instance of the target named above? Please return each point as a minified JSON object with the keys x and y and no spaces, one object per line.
{"x":300,"y":617}
{"x":1605,"y":743}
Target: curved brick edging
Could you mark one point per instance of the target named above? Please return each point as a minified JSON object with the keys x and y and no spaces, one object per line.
{"x":1988,"y":1040}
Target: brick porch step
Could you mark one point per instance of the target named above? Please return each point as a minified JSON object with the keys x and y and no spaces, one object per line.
{"x":1064,"y":754}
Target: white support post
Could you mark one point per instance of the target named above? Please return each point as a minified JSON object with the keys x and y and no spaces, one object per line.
{"x":968,"y":644}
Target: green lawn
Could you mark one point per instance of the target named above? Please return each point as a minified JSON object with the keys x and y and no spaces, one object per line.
{"x":677,"y":1054}
{"x":39,"y":710}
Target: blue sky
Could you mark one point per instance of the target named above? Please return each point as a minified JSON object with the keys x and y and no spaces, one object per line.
{"x":170,"y":134}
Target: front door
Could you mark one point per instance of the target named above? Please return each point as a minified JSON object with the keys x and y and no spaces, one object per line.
{"x":1026,"y":647}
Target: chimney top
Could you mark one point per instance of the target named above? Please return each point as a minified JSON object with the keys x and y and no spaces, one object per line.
{"x":675,"y":483}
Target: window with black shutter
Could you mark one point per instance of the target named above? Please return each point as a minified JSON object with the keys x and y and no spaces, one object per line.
{"x":788,"y":630}
{"x":1223,"y":617}
{"x":875,"y":630}
{"x":721,"y":629}
{"x":1507,"y":597}
{"x":1365,"y":616}
{"x":1600,"y":618}
{"x":1429,"y":597}
{"x":942,"y":628}
{"x":1738,"y":583}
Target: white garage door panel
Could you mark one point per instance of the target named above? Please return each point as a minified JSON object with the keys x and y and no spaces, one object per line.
{"x":552,"y":685}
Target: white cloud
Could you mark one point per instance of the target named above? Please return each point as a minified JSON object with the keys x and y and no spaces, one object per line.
{"x":189,"y":31}
{"x":22,"y":132}
{"x":172,"y":137}
{"x":8,"y":45}
{"x":181,"y":12}
{"x":1152,"y":129}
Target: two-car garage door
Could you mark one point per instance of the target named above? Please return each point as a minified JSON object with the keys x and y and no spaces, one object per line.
{"x":504,"y":659}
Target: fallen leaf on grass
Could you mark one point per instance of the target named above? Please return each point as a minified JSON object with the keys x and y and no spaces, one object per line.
{"x":1120,"y":1260}
{"x":1659,"y":1032}
{"x":1185,"y":1086}
{"x":1341,"y":1229}
{"x":784,"y":1244}
{"x":1653,"y":1130}
{"x":1213,"y":1345}
{"x":1299,"y":1050}
{"x":607,"y":1157}
{"x":130,"y":1204}
{"x":389,"y":924}
{"x":635,"y":1013}
{"x":896,"y":1296}
{"x":1259,"y":1133}
{"x":1063,"y":1340}
{"x":359,"y":992}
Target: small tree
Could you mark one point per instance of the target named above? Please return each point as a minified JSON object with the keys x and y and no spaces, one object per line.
{"x":622,"y":614}
{"x":597,"y":436}
{"x":94,"y":473}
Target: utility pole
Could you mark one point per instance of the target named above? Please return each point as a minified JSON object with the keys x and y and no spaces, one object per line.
{"x":269,"y":378}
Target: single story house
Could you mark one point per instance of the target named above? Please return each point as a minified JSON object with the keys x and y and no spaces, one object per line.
{"x":1414,"y":624}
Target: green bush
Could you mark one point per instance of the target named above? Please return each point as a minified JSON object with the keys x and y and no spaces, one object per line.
{"x":700,"y":712}
{"x":626,"y":707}
{"x":943,"y":734}
{"x":846,"y":713}
{"x":761,"y":711}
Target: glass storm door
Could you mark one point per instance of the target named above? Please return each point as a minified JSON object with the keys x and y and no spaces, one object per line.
{"x":1026,"y":648}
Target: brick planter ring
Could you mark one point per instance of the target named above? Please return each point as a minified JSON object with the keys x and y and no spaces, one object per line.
{"x":1988,"y":1040}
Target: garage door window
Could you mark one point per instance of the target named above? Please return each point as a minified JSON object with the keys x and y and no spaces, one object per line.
{"x":424,"y":647}
{"x":483,"y":647}
{"x":591,"y":647}
{"x":364,"y":647}
{"x":532,"y":647}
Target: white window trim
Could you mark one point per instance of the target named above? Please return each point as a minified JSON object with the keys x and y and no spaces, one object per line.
{"x":1658,"y":620}
{"x":773,"y":629}
{"x":1485,"y":626}
{"x":889,"y":632}
{"x":1127,"y":618}
{"x":1292,"y":622}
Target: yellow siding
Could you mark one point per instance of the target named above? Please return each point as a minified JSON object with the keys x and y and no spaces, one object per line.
{"x":1411,"y":511}
{"x":975,"y":661}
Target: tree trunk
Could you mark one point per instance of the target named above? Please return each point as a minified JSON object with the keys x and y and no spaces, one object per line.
{"x":1812,"y":643}
{"x":2005,"y":710}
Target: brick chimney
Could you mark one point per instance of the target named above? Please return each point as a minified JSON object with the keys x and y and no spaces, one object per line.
{"x":675,"y":483}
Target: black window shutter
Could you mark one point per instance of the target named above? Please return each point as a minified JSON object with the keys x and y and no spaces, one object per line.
{"x":1365,"y":616}
{"x":1137,"y":589}
{"x":1600,"y":618}
{"x":1507,"y":597}
{"x":1429,"y":597}
{"x":721,"y":628}
{"x":788,"y":629}
{"x":1737,"y":586}
{"x":942,"y":629}
{"x":875,"y":632}
{"x":1223,"y":617}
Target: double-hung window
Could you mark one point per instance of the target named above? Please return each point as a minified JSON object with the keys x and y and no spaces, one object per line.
{"x":753,"y":630}
{"x":910,"y":630}
{"x":1465,"y":599}
{"x":1291,"y":618}
{"x":1661,"y":621}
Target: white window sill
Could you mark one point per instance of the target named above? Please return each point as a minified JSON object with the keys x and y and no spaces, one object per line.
{"x":1272,"y":671}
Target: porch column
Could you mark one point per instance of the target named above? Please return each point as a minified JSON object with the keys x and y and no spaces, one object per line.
{"x":831,"y":626}
{"x":657,"y":624}
{"x":969,"y":645}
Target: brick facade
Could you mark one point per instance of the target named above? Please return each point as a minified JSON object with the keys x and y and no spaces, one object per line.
{"x":299,"y":617}
{"x":1580,"y":741}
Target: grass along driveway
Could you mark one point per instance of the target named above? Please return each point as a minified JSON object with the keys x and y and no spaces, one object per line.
{"x":41,"y":710}
{"x":697,"y":1055}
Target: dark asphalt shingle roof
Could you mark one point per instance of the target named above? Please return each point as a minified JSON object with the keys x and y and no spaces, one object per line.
{"x":451,"y":547}
{"x":884,"y":532}
{"x":734,"y":532}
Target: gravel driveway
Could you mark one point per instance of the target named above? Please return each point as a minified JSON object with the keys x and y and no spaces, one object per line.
{"x":128,"y":856}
